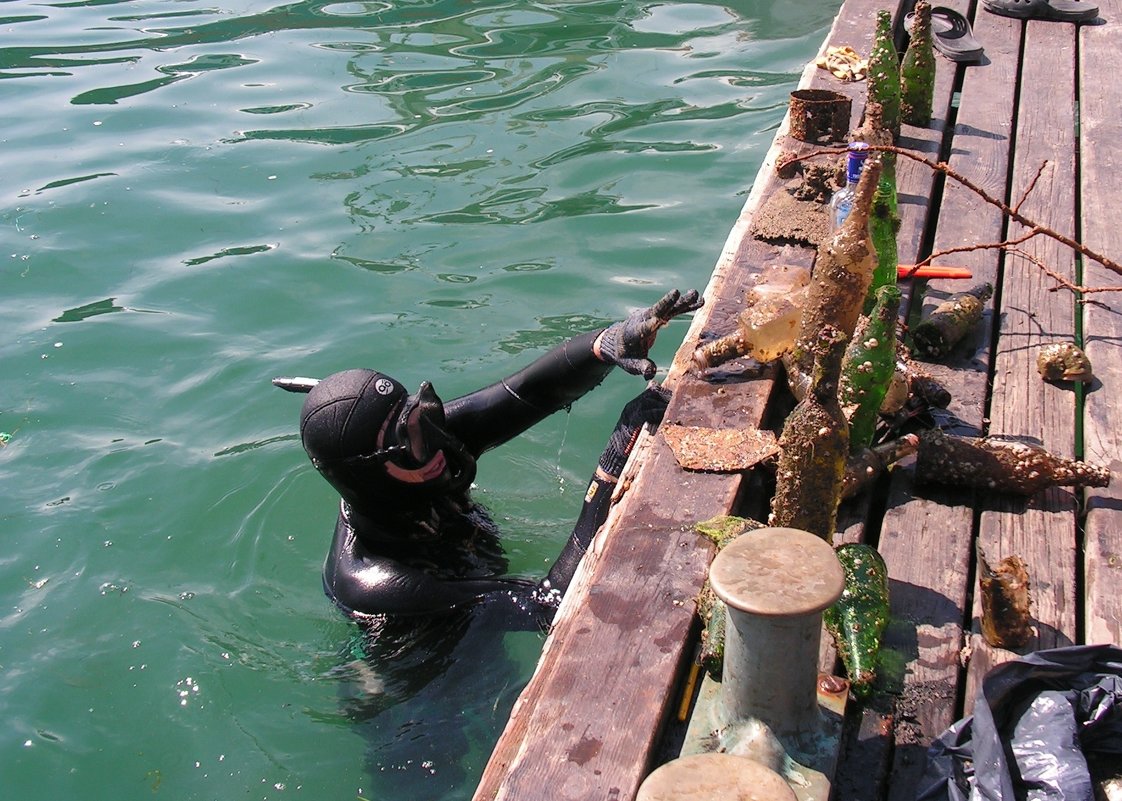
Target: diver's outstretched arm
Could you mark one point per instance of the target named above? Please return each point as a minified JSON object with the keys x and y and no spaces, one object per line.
{"x":495,"y":414}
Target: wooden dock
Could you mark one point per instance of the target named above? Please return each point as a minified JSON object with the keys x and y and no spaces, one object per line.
{"x":1040,"y":111}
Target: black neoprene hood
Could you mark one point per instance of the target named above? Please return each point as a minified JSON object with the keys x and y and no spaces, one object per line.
{"x":344,"y":413}
{"x":340,"y":424}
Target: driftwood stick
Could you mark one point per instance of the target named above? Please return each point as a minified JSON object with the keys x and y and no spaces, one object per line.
{"x":1013,"y":212}
{"x":1033,"y":226}
{"x":1031,"y":186}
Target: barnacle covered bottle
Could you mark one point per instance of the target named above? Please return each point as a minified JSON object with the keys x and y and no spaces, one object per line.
{"x":1000,"y":465}
{"x":884,"y":73}
{"x":814,"y":447}
{"x":917,"y":70}
{"x":870,"y":361}
{"x":882,"y":226}
{"x":858,"y":619}
{"x":884,"y":221}
{"x":937,"y":334}
{"x":841,"y":278}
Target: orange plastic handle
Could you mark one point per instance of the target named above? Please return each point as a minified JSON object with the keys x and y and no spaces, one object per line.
{"x":931,"y":271}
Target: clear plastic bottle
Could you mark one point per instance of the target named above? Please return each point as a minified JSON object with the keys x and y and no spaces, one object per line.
{"x":842,"y":201}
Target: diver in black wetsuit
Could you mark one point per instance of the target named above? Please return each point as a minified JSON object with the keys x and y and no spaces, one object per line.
{"x":409,"y":540}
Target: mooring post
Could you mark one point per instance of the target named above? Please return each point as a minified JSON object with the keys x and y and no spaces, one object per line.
{"x":775,"y":583}
{"x":714,"y":777}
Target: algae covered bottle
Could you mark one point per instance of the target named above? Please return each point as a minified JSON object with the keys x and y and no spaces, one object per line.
{"x":842,"y":273}
{"x":917,"y":70}
{"x":885,"y":219}
{"x":814,"y":447}
{"x":882,"y":226}
{"x":937,"y":334}
{"x":884,"y":73}
{"x":870,"y":361}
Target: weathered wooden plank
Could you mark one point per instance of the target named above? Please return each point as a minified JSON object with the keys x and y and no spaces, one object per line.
{"x":634,"y":619}
{"x":929,"y":598}
{"x":1042,"y":529}
{"x":1101,"y":197}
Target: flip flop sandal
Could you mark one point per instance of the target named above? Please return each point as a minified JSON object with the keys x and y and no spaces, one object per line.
{"x":1061,"y":10}
{"x":952,"y":34}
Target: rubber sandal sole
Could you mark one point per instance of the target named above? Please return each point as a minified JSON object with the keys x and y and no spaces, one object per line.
{"x":952,"y":34}
{"x":1054,"y":10}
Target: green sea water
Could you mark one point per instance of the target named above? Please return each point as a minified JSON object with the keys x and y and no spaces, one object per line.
{"x":197,"y":197}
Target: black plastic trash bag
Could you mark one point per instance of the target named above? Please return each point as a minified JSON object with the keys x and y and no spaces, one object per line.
{"x":1034,"y":722}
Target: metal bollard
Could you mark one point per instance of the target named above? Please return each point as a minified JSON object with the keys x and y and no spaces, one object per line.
{"x":714,"y":777}
{"x":775,"y":583}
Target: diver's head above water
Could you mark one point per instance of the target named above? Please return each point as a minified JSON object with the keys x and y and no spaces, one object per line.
{"x":378,"y":445}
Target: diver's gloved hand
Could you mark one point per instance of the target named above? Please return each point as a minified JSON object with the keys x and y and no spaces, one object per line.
{"x":627,"y":343}
{"x":649,"y":406}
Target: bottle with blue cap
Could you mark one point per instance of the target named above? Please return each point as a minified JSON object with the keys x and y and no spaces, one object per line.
{"x":842,"y":201}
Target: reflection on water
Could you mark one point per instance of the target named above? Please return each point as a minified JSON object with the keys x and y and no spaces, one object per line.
{"x":442,"y":189}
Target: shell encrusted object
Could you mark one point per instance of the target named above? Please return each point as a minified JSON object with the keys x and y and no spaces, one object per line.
{"x":1001,"y":465}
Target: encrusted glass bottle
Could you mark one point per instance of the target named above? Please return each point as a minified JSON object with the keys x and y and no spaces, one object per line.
{"x":882,"y":225}
{"x":917,"y":70}
{"x":885,"y":221}
{"x":870,"y":361}
{"x":884,"y":73}
{"x":937,"y":334}
{"x":840,"y":281}
{"x":814,"y":447}
{"x":999,"y":465}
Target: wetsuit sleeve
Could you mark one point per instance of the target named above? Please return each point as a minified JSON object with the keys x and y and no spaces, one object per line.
{"x":648,"y":407}
{"x":490,"y":416}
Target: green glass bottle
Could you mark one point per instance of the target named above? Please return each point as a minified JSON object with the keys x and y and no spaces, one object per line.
{"x":884,"y":223}
{"x":814,"y":447}
{"x":870,"y":361}
{"x":884,"y":73}
{"x":917,"y":70}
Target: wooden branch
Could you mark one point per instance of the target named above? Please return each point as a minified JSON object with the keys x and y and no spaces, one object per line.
{"x":1013,"y":212}
{"x":1033,"y":226}
{"x":1029,"y":188}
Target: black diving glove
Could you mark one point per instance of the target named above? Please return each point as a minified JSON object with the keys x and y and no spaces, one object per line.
{"x":627,"y":343}
{"x":649,"y":406}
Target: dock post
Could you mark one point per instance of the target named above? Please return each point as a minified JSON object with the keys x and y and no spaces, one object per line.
{"x":775,"y":583}
{"x":713,"y":777}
